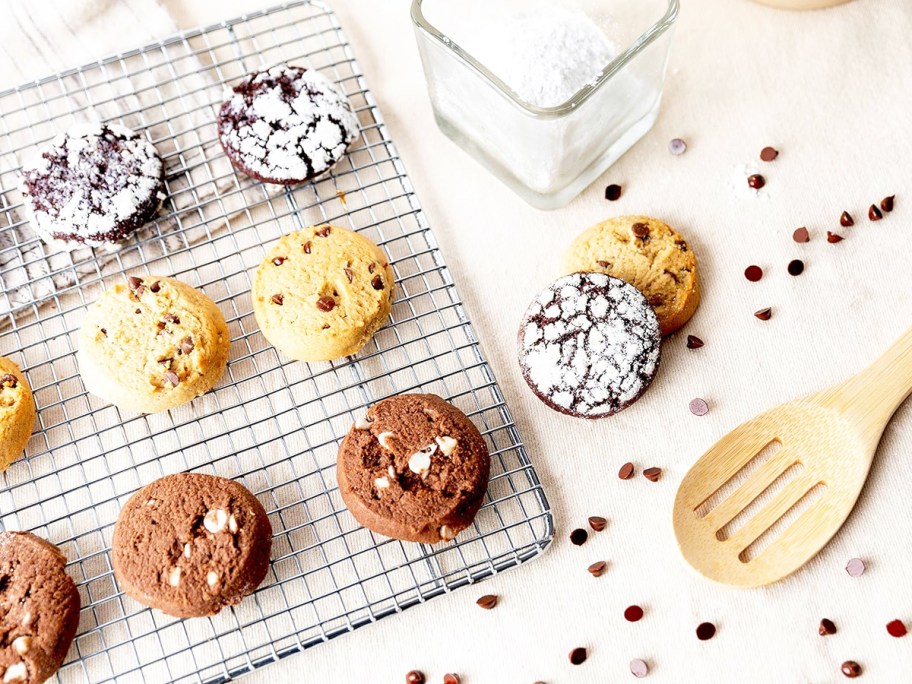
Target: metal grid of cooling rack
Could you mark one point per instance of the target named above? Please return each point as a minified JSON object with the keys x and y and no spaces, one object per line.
{"x":272,"y":424}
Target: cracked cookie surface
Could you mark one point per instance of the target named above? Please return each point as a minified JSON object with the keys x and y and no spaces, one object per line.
{"x":152,"y":343}
{"x":321,"y":293}
{"x":648,"y":254}
{"x":39,"y":608}
{"x":286,"y":125}
{"x":190,"y":544}
{"x":17,"y":412}
{"x":414,"y":468}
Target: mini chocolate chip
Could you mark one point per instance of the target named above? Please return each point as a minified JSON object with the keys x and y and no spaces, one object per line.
{"x":377,"y":282}
{"x":801,"y":235}
{"x":681,"y":244}
{"x":640,"y":230}
{"x":887,"y":203}
{"x":277,"y":299}
{"x":694,"y":342}
{"x":598,"y":568}
{"x":896,"y":628}
{"x":578,"y":656}
{"x":626,"y":471}
{"x":155,"y":287}
{"x":768,"y":154}
{"x":597,"y":523}
{"x":846,"y":220}
{"x":450,"y":678}
{"x":613,"y":192}
{"x":656,"y":300}
{"x":415,"y":677}
{"x":307,"y":246}
{"x":370,"y":269}
{"x":796,"y":267}
{"x":104,"y":332}
{"x":134,"y":282}
{"x":652,"y":474}
{"x":323,"y":232}
{"x":756,"y":181}
{"x":488,"y":601}
{"x":326,"y":304}
{"x":874,"y":213}
{"x":833,"y":238}
{"x":171,"y":377}
{"x":633,"y":614}
{"x":698,"y":407}
{"x":827,"y":626}
{"x":9,"y":380}
{"x":764,"y":314}
{"x":851,"y":669}
{"x":603,"y":264}
{"x":186,"y":345}
{"x":349,"y":274}
{"x":138,"y":311}
{"x":579,"y":536}
{"x":677,"y":146}
{"x":706,"y":631}
{"x":171,"y":318}
{"x":278,"y":261}
{"x":753,"y":273}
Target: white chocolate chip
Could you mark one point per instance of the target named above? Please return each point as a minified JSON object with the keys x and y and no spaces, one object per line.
{"x":15,"y":673}
{"x":384,"y":439}
{"x":392,"y":472}
{"x":27,"y":618}
{"x":363,"y":423}
{"x":420,"y":463}
{"x":174,"y":577}
{"x":446,"y":533}
{"x":232,"y":524}
{"x":447,"y":444}
{"x":212,"y":578}
{"x":215,"y":520}
{"x":151,"y":502}
{"x":22,"y":644}
{"x":382,"y":483}
{"x":186,"y":550}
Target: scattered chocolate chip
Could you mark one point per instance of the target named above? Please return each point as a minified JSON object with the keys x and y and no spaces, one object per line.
{"x":488,"y":601}
{"x":579,"y":536}
{"x":326,"y":304}
{"x":827,"y":626}
{"x":278,"y":261}
{"x":652,"y":474}
{"x":855,"y":567}
{"x":307,"y":247}
{"x":626,"y":471}
{"x":186,"y":345}
{"x":768,"y":154}
{"x":377,"y":282}
{"x":160,"y":325}
{"x":801,"y":235}
{"x":846,"y":220}
{"x":578,"y":656}
{"x":874,"y":213}
{"x":851,"y":669}
{"x":677,"y":146}
{"x":415,"y":677}
{"x":138,"y":311}
{"x":633,"y":614}
{"x":171,"y":377}
{"x":597,"y":523}
{"x":887,"y":203}
{"x":698,"y":407}
{"x":753,"y":273}
{"x":155,"y":287}
{"x":639,"y":668}
{"x":896,"y":628}
{"x":706,"y":631}
{"x":613,"y":192}
{"x":323,"y":232}
{"x":134,"y":282}
{"x":756,"y":181}
{"x":796,"y":267}
{"x":656,"y":300}
{"x":694,"y":342}
{"x":349,"y":274}
{"x":640,"y":230}
{"x":598,"y":568}
{"x":370,"y":269}
{"x":277,"y":299}
{"x":764,"y":314}
{"x":9,"y":380}
{"x":171,"y":318}
{"x":104,"y":332}
{"x":833,"y":238}
{"x":450,"y":678}
{"x":603,"y":264}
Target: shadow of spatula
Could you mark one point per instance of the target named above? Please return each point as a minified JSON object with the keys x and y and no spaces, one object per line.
{"x":828,"y":439}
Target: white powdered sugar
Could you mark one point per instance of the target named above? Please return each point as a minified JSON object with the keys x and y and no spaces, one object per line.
{"x":589,"y":345}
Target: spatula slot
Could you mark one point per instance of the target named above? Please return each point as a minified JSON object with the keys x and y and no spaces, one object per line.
{"x":740,"y":477}
{"x":756,"y":505}
{"x":761,"y":543}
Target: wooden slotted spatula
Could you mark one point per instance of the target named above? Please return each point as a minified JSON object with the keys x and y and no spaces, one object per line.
{"x":826,"y":443}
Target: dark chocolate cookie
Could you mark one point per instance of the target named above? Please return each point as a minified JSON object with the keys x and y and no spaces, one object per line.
{"x":414,"y":468}
{"x":286,"y":125}
{"x":39,"y":608}
{"x":191,"y":544}
{"x":94,"y":186}
{"x":589,"y":345}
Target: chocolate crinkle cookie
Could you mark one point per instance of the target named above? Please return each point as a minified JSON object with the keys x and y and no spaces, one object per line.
{"x":589,"y":345}
{"x":39,"y":608}
{"x":286,"y":125}
{"x":94,"y":186}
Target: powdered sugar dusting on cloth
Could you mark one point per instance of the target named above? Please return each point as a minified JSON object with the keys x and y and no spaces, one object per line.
{"x":589,"y":345}
{"x":286,"y":125}
{"x":94,"y":186}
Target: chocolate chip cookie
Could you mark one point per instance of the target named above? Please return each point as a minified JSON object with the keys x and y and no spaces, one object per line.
{"x":322,"y":293}
{"x":39,"y":608}
{"x":152,"y":343}
{"x":17,"y":412}
{"x":589,"y":345}
{"x":286,"y":125}
{"x":191,"y":544}
{"x":648,"y":254}
{"x":414,"y":468}
{"x":93,"y":187}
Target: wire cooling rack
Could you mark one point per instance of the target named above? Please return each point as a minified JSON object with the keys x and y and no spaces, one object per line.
{"x":272,"y":424}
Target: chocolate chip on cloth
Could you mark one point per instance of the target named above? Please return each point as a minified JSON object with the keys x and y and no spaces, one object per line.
{"x":191,"y":544}
{"x":17,"y":412}
{"x":589,"y":345}
{"x":39,"y":608}
{"x":286,"y":125}
{"x":414,"y":468}
{"x":94,"y":186}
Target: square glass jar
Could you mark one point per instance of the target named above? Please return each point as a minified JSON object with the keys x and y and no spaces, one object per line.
{"x":548,"y":155}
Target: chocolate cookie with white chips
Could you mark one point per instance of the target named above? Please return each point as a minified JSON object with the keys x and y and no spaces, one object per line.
{"x":589,"y":345}
{"x":94,"y":186}
{"x":286,"y":125}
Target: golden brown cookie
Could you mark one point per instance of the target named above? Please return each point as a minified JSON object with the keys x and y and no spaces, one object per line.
{"x":152,"y":343}
{"x":648,"y":254}
{"x":322,"y":292}
{"x":17,"y":412}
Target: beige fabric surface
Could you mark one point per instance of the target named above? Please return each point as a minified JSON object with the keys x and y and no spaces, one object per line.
{"x":830,"y":90}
